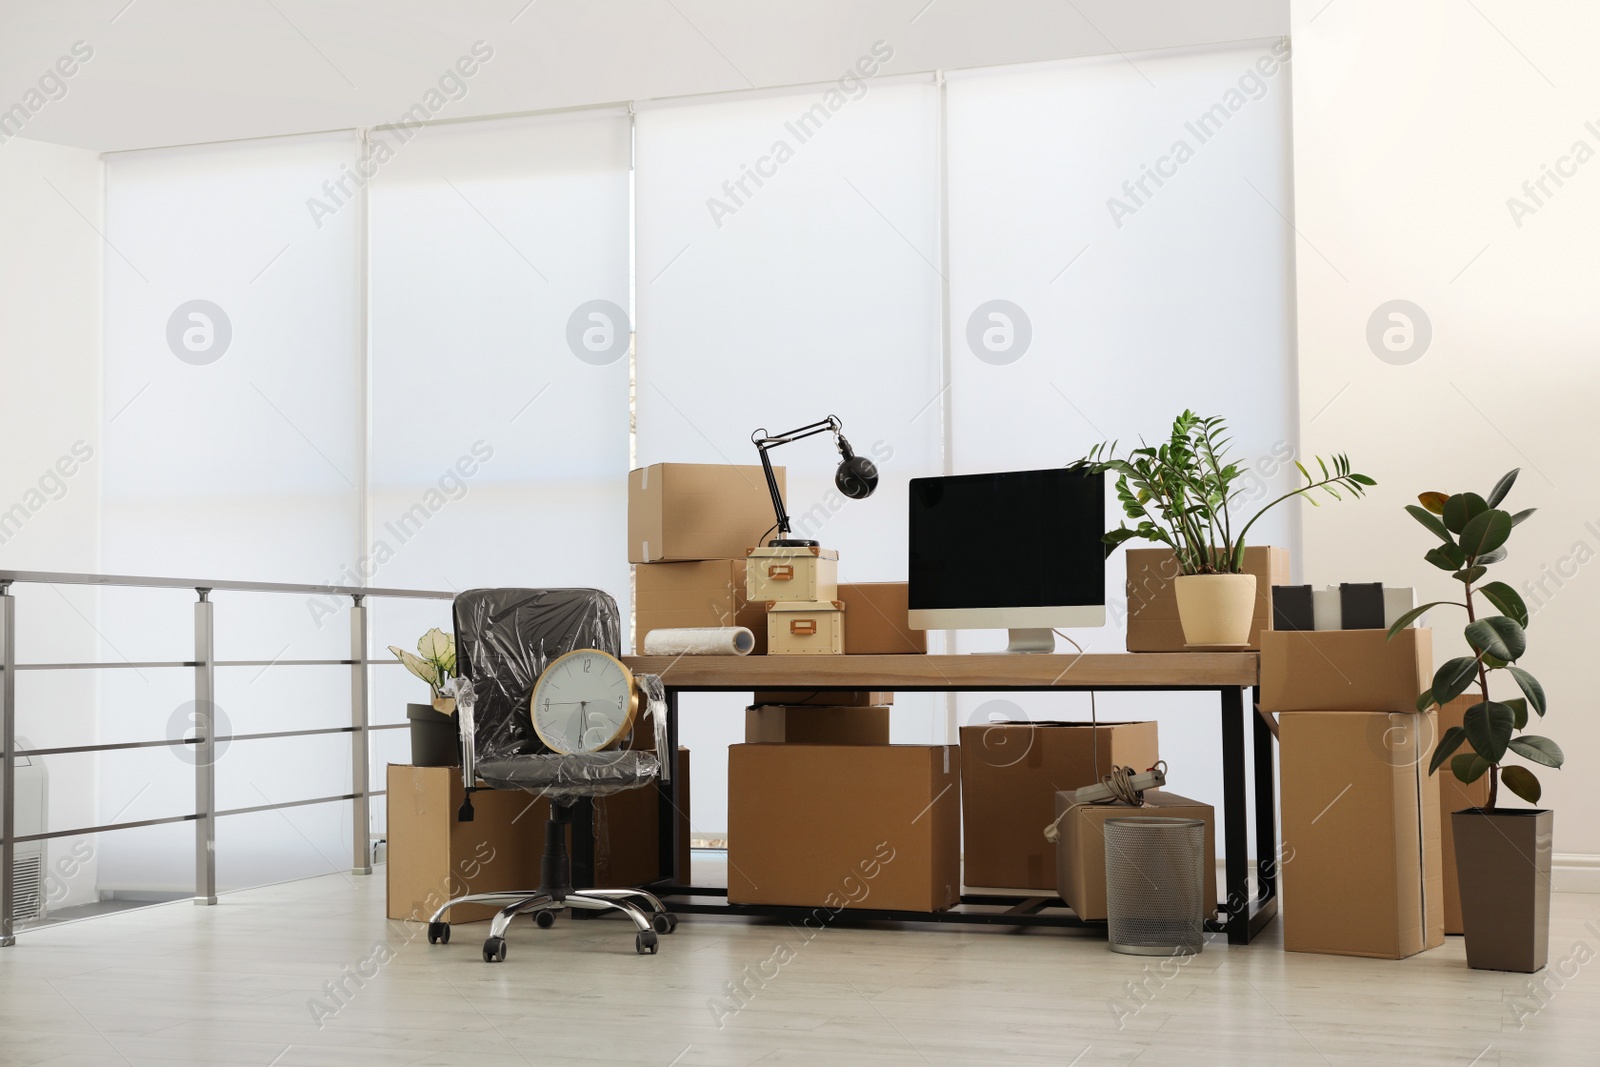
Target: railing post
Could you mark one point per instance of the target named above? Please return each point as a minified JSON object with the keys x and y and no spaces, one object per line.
{"x":205,"y":755}
{"x":360,"y":784}
{"x":8,"y":762}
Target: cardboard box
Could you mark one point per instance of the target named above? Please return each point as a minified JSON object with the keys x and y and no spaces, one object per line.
{"x":688,"y":511}
{"x":880,"y":621}
{"x":669,"y":596}
{"x":816,"y":725}
{"x":845,"y":826}
{"x":1081,"y":847}
{"x":1361,"y":873}
{"x":434,"y":857}
{"x":1351,"y":670}
{"x":1153,"y":624}
{"x":1011,"y":773}
{"x":1454,"y":796}
{"x":803,"y":628}
{"x":845,"y":698}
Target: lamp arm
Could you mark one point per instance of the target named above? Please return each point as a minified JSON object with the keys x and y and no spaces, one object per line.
{"x":764,"y":442}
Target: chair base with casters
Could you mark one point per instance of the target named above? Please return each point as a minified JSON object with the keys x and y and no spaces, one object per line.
{"x":649,"y":916}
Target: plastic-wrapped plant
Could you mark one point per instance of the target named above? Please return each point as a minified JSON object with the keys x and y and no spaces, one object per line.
{"x":1472,"y":532}
{"x":435,"y":663}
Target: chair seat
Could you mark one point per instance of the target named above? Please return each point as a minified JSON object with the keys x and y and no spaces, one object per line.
{"x":582,"y":774}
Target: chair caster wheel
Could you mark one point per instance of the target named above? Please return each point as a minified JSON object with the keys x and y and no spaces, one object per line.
{"x":438,"y":933}
{"x":646,"y":943}
{"x":494,"y":950}
{"x":544,"y":920}
{"x":664,"y":922}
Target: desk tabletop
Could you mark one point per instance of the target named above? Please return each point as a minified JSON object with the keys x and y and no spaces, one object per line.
{"x":1119,"y":670}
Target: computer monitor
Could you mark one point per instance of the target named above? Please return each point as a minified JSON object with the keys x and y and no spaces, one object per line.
{"x":1019,"y":550}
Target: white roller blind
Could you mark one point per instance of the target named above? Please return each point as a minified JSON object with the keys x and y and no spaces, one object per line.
{"x":232,"y":449}
{"x":787,"y":270}
{"x":1120,"y":251}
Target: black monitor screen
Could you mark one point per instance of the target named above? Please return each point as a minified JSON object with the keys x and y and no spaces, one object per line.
{"x":1020,"y":539}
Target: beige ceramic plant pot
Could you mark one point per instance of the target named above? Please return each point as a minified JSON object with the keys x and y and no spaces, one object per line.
{"x":1216,"y":609}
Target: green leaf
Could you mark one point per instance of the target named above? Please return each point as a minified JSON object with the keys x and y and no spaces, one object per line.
{"x":1362,"y":479}
{"x":1470,"y":574}
{"x":1519,"y":708}
{"x":1506,"y":599}
{"x":1538,"y":749}
{"x":1447,"y":744}
{"x":1427,"y":519}
{"x":1416,"y":613}
{"x":1498,"y":636}
{"x":1446,"y":557}
{"x":1516,"y":520}
{"x":1489,"y":727}
{"x":1502,"y":487}
{"x":1530,"y":688}
{"x":1469,"y":767}
{"x":1425,"y":700}
{"x":1462,"y":509}
{"x":1485,"y":532}
{"x":1434,"y":502}
{"x":1522,"y":782}
{"x":1493,"y":557}
{"x":1451,"y":680}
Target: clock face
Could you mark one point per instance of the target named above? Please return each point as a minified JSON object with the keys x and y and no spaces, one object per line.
{"x":583,"y":702}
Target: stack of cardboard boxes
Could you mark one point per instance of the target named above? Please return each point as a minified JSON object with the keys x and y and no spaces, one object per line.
{"x":1361,"y":871}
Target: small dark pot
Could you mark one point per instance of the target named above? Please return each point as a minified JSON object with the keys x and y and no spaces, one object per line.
{"x":1503,"y":864}
{"x":435,"y":737}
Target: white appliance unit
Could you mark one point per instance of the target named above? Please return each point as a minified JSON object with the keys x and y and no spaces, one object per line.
{"x":28,"y":871}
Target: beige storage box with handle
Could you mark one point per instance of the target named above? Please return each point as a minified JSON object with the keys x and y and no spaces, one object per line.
{"x":800,"y":628}
{"x":807,"y":574}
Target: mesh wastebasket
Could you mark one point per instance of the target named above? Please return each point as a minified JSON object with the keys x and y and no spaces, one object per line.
{"x":1155,"y":899}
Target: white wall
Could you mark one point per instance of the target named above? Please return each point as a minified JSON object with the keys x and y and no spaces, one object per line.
{"x":1414,"y":126}
{"x":50,"y":258}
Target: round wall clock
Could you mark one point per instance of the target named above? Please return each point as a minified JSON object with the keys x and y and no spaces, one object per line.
{"x":585,"y":701}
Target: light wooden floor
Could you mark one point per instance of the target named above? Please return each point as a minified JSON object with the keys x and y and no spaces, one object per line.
{"x":236,"y":984}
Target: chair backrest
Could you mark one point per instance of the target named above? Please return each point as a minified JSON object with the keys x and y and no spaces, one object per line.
{"x":504,"y":640}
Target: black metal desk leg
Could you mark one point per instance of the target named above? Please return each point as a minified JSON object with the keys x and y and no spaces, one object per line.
{"x":1266,"y":805}
{"x":1235,"y":819}
{"x":667,"y":820}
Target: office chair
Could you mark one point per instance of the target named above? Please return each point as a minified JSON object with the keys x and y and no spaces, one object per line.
{"x":505,"y":639}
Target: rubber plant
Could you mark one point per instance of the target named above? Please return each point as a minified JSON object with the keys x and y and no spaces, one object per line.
{"x":435,"y":663}
{"x":1180,"y":493}
{"x":1472,"y":532}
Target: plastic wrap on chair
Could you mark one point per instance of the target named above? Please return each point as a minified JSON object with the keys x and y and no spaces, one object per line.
{"x":504,"y":640}
{"x":580,"y":774}
{"x":655,"y":706}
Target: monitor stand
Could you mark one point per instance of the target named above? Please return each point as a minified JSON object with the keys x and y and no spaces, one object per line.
{"x":1031,"y":641}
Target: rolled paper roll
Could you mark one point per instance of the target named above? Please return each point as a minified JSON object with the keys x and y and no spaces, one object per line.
{"x":700,"y":641}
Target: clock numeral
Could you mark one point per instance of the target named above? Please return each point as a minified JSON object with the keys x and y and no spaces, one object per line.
{"x":586,"y":664}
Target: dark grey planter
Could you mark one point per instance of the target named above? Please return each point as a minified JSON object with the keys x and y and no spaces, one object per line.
{"x":435,"y":739}
{"x":1503,"y":866}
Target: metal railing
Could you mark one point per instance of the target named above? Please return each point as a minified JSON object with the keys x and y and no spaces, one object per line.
{"x":204,"y":666}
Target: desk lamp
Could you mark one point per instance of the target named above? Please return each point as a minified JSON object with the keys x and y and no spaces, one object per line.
{"x":856,"y":477}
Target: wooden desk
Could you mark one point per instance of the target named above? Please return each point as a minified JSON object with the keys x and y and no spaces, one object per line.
{"x":1228,"y":674}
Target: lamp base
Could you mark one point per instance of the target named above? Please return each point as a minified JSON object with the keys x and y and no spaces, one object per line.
{"x":791,"y":542}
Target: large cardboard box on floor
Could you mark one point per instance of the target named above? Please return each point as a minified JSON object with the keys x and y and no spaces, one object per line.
{"x":845,"y":826}
{"x":1011,"y":773}
{"x":1081,"y":846}
{"x":433,"y":856}
{"x":1348,"y":670}
{"x":670,"y":596}
{"x":688,"y":511}
{"x":843,"y":698}
{"x":791,"y":724}
{"x":879,"y":620}
{"x":1361,"y":872}
{"x":1153,"y":624}
{"x":1454,"y":796}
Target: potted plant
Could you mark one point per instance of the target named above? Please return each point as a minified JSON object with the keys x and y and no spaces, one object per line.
{"x":1502,"y":854}
{"x":434,"y":737}
{"x":1179,"y":494}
